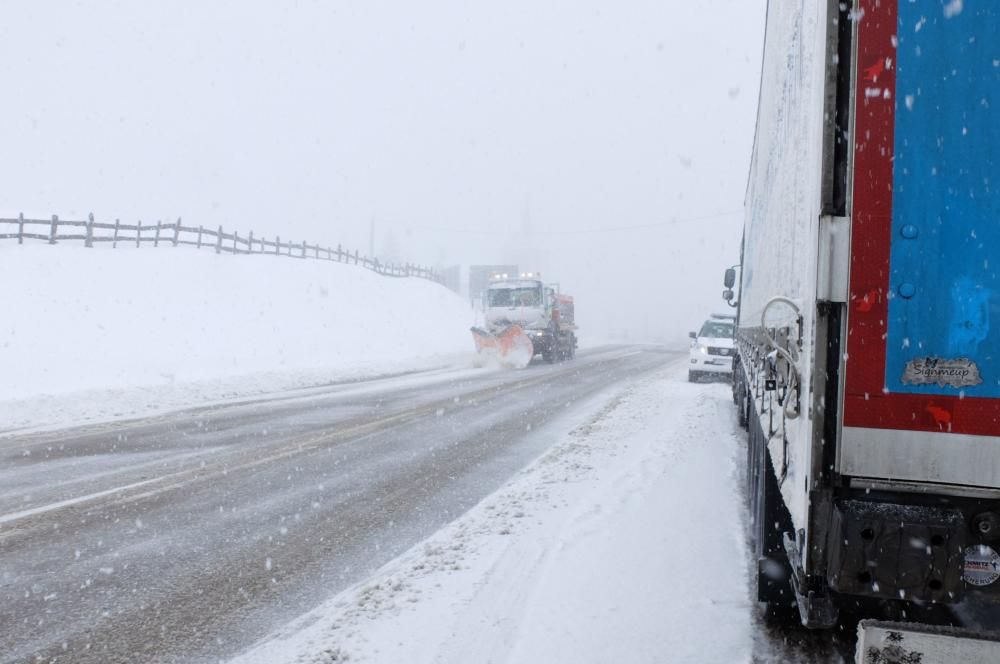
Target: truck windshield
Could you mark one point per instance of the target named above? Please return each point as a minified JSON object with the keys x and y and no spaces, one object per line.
{"x":716,"y":330}
{"x":514,"y":297}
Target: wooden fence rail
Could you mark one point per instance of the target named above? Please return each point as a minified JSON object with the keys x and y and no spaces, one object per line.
{"x":175,"y":234}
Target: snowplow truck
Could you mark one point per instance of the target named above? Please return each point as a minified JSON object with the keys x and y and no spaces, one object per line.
{"x":523,"y":318}
{"x":867,"y":369}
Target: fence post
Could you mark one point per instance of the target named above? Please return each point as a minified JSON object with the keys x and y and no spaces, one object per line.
{"x":355,"y":256}
{"x":277,"y":245}
{"x":317,"y":251}
{"x":340,"y":254}
{"x":138,"y":233}
{"x":89,"y":242}
{"x":114,"y":239}
{"x":303,"y":248}
{"x":156,"y":240}
{"x":177,"y":231}
{"x":20,"y":228}
{"x":250,"y":243}
{"x":218,"y":241}
{"x":236,"y":235}
{"x":53,"y":228}
{"x":199,"y":236}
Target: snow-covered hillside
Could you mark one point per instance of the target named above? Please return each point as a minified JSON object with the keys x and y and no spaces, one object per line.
{"x":76,"y":320}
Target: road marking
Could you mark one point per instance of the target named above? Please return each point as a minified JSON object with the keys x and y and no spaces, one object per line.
{"x":14,"y":516}
{"x":290,"y":448}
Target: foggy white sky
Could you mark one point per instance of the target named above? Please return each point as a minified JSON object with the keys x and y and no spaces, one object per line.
{"x":471,"y":132}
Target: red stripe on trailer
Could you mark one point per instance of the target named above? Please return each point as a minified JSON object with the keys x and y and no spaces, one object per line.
{"x":867,"y":403}
{"x":872,"y":208}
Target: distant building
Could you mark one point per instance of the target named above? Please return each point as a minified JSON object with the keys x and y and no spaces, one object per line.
{"x":452,"y":278}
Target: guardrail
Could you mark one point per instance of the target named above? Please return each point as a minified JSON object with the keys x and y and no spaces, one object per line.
{"x":175,"y":234}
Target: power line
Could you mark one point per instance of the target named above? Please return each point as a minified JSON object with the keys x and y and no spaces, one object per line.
{"x":662,"y":224}
{"x":580,"y":231}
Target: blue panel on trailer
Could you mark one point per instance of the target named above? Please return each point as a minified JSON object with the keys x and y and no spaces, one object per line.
{"x":944,"y":306}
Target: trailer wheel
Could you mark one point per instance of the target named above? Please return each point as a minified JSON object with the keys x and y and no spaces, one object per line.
{"x":742,"y":404}
{"x":748,"y":407}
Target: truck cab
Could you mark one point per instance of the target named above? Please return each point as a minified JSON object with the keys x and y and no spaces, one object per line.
{"x":523,"y":302}
{"x":544,"y":314}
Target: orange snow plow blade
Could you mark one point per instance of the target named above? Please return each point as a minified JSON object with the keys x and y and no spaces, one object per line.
{"x":510,"y":348}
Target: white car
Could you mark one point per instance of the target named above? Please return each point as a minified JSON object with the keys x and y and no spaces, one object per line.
{"x":712,"y":349}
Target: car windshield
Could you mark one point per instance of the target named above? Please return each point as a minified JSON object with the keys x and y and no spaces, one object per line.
{"x":716,"y":330}
{"x":514,"y":297}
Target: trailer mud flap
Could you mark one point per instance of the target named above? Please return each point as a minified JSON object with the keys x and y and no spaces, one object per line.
{"x":897,"y":551}
{"x":816,"y":608}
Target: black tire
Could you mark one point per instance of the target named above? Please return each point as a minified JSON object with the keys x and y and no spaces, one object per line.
{"x":693,"y":376}
{"x":742,"y":404}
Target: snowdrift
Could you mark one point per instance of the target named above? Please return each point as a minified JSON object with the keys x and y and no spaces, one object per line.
{"x":76,"y":319}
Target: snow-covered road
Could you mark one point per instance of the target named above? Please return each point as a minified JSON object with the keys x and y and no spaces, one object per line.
{"x":186,"y":536}
{"x":623,"y":543}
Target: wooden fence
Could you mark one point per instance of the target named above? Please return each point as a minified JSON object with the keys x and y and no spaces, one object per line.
{"x":92,"y":232}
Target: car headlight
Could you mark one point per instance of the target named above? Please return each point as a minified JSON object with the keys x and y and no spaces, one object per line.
{"x":703,"y":349}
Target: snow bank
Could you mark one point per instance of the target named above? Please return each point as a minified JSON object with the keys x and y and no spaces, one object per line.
{"x":623,"y":543}
{"x":76,"y":319}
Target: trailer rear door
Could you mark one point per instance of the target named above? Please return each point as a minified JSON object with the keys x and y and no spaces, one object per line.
{"x":922,"y":383}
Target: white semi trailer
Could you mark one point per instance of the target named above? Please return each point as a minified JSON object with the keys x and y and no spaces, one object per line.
{"x":868,"y":338}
